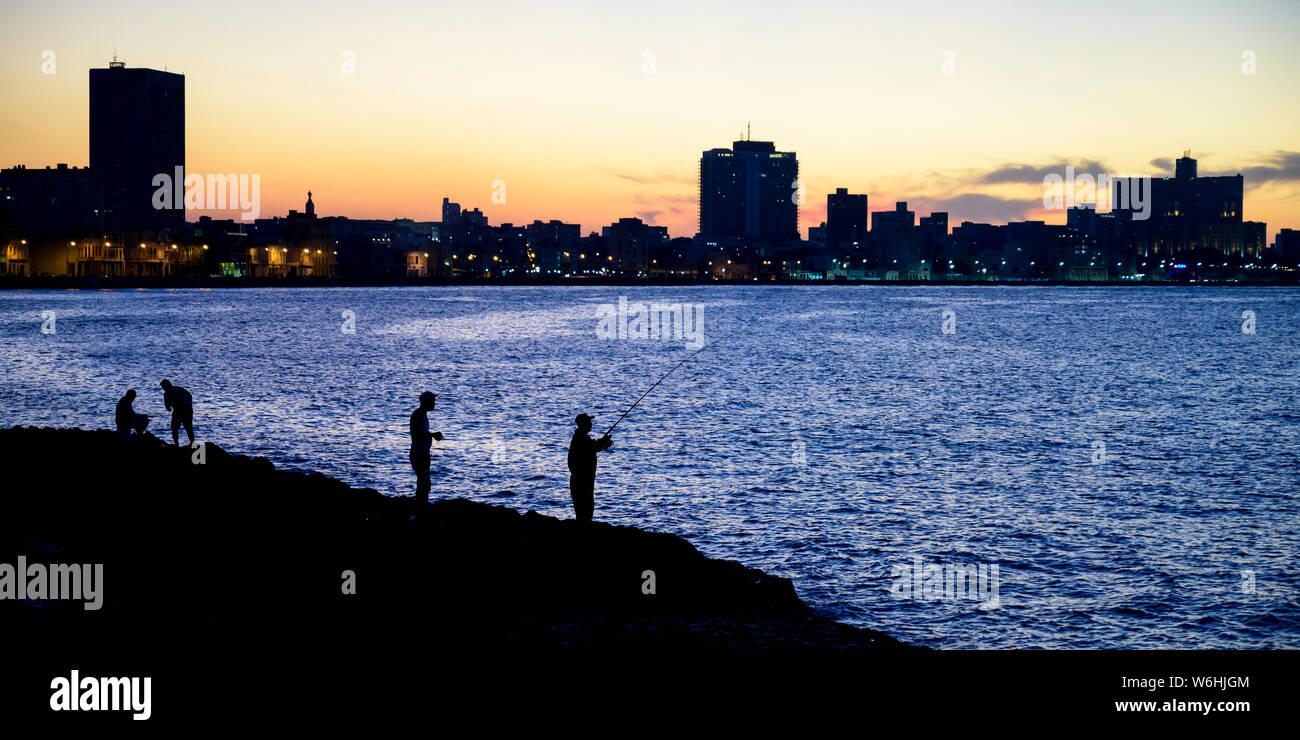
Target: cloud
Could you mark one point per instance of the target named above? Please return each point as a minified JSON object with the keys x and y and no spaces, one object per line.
{"x":1280,"y":166}
{"x":1034,"y":173}
{"x":982,"y":208}
{"x":635,"y":178}
{"x":1163,"y":164}
{"x":677,"y":212}
{"x":655,"y":179}
{"x":655,"y":206}
{"x":655,"y":200}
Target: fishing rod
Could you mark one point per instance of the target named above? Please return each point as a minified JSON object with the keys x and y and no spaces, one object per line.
{"x":657,"y":382}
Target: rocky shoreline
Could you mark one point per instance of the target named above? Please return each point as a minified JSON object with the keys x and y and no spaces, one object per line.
{"x":227,"y":545}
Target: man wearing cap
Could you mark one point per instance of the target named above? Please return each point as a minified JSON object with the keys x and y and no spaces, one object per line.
{"x":582,"y":467}
{"x":421,"y":446}
{"x":181,"y":404}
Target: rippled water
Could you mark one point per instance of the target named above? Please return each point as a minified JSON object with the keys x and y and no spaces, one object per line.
{"x":830,"y":434}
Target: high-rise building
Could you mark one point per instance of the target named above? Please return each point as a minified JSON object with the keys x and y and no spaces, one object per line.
{"x":749,"y":191}
{"x":897,"y":242}
{"x":936,"y":223}
{"x":137,"y":132}
{"x":1254,"y":239}
{"x":631,"y":244}
{"x":846,"y":217}
{"x":465,"y":228}
{"x":450,"y":211}
{"x":1032,"y":250}
{"x":59,"y":201}
{"x":899,"y":219}
{"x":551,"y":245}
{"x":1287,"y":244}
{"x":972,"y":242}
{"x":1096,"y":232}
{"x":1186,"y":212}
{"x":1036,"y":250}
{"x":934,"y":235}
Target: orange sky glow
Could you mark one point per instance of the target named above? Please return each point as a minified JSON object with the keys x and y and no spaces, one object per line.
{"x":589,"y":112}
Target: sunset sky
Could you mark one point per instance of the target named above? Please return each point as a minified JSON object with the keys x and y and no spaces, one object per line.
{"x":561,"y":101}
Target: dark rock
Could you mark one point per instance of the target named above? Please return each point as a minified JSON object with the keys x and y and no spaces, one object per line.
{"x":238,"y":546}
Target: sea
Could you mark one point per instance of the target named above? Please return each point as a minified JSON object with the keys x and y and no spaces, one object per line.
{"x":965,"y":467}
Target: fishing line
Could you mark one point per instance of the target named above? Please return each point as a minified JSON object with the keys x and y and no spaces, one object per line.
{"x":656,"y":385}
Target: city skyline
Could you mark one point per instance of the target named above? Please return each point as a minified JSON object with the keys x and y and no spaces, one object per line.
{"x":391,"y":138}
{"x":124,"y":215}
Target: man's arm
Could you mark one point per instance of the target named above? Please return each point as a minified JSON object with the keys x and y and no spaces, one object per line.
{"x":604,"y":442}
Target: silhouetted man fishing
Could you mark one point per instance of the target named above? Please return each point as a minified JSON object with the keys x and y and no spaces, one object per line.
{"x":582,"y":467}
{"x":127,"y":419}
{"x":181,"y":404}
{"x":583,"y":449}
{"x":422,"y":447}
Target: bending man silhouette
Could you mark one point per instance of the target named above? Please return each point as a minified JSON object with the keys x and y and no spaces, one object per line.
{"x":181,"y":404}
{"x":127,"y":419}
{"x":422,"y":446}
{"x":582,"y":467}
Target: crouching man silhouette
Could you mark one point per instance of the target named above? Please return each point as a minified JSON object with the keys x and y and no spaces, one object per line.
{"x":127,"y":419}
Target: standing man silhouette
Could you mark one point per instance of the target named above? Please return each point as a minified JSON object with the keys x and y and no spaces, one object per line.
{"x":582,"y":467}
{"x":422,"y":446}
{"x":181,"y":404}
